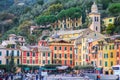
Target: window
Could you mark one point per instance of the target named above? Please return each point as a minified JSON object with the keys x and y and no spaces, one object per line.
{"x":61,"y":25}
{"x":0,"y":62}
{"x":117,"y":46}
{"x":27,"y":61}
{"x":43,"y":54}
{"x":111,"y":63}
{"x":100,"y":63}
{"x":105,"y":55}
{"x":0,"y":53}
{"x":117,"y":54}
{"x":43,"y":62}
{"x":48,"y":54}
{"x":70,"y":62}
{"x":106,"y":63}
{"x":76,"y":24}
{"x":106,"y":47}
{"x":76,"y":63}
{"x":33,"y":54}
{"x":68,"y":25}
{"x":110,"y":20}
{"x":7,"y":53}
{"x":59,"y":55}
{"x":110,"y":47}
{"x":70,"y":55}
{"x":12,"y":53}
{"x":71,"y":48}
{"x":55,"y":56}
{"x":65,"y":55}
{"x":48,"y":61}
{"x":101,"y":47}
{"x":111,"y":54}
{"x":33,"y":62}
{"x":7,"y":61}
{"x":59,"y":48}
{"x":28,"y":54}
{"x":95,"y":19}
{"x":65,"y":48}
{"x":65,"y":62}
{"x":55,"y":48}
{"x":18,"y":61}
{"x":17,"y":53}
{"x":96,"y":28}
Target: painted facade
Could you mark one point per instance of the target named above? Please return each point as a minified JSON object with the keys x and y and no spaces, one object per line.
{"x":68,"y":23}
{"x":45,"y":55}
{"x":36,"y":55}
{"x":62,"y":52}
{"x":109,"y":20}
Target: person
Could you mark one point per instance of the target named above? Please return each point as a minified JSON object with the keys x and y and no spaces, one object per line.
{"x":98,"y":77}
{"x":118,"y":77}
{"x":36,"y":77}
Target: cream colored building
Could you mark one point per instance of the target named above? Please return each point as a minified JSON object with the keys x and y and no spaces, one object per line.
{"x":95,"y":18}
{"x":67,"y":23}
{"x":2,"y":55}
{"x":108,"y":20}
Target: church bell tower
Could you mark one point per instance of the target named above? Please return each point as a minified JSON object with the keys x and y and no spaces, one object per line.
{"x":95,"y":18}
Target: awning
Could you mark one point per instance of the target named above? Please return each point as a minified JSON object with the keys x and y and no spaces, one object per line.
{"x":43,"y":68}
{"x":62,"y":67}
{"x":98,"y":69}
{"x":27,"y":69}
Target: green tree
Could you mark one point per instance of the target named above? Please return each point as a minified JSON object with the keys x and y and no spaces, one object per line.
{"x":110,"y":29}
{"x":117,"y":24}
{"x":55,"y":8}
{"x":24,"y":28}
{"x":114,"y":8}
{"x":74,"y":12}
{"x":32,"y":39}
{"x":45,"y":19}
{"x":40,"y":2}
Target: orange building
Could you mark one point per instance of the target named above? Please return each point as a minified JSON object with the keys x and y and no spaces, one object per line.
{"x":117,"y":44}
{"x":62,"y":52}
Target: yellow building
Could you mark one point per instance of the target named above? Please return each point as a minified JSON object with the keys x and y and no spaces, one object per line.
{"x":77,"y":49}
{"x":109,"y":55}
{"x":109,"y":20}
{"x":68,"y":23}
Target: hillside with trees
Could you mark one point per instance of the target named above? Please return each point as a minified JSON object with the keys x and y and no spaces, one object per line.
{"x":17,"y":19}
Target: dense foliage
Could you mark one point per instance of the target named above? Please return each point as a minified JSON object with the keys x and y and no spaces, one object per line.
{"x":16,"y":18}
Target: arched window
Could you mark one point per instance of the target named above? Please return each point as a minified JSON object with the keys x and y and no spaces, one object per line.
{"x":95,"y":19}
{"x":96,"y":28}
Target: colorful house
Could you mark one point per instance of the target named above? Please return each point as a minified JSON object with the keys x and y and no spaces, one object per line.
{"x":62,"y":52}
{"x":36,"y":55}
{"x":67,"y":23}
{"x":29,"y":56}
{"x":45,"y":55}
{"x":108,"y":20}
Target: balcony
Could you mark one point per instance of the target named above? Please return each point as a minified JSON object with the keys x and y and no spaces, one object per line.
{"x":13,"y":56}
